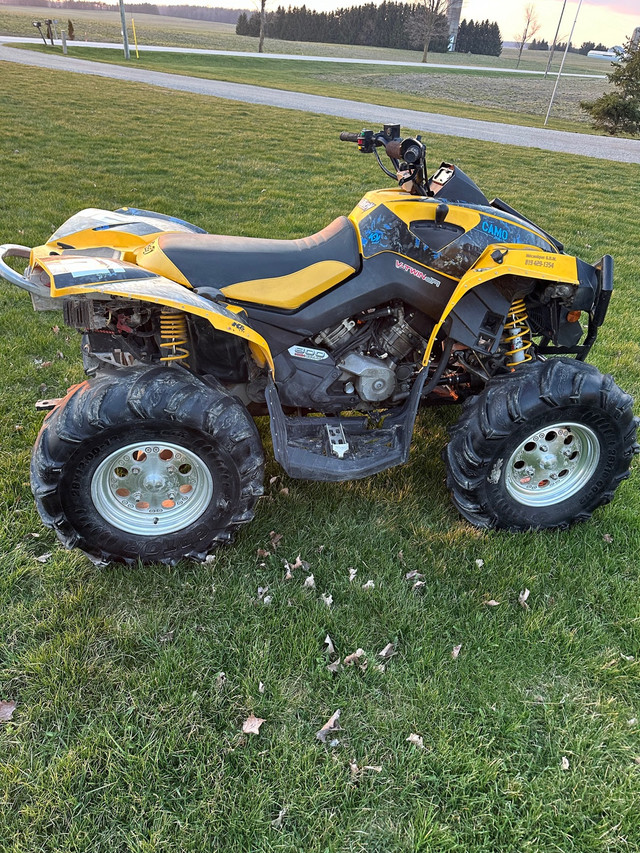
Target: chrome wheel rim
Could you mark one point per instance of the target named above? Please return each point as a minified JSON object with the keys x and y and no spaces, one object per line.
{"x":151,"y":488}
{"x":552,"y":464}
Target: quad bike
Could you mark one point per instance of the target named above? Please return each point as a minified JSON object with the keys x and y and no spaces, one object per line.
{"x":427,"y":293}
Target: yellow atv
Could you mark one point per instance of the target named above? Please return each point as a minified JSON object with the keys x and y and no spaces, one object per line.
{"x":425,"y":294}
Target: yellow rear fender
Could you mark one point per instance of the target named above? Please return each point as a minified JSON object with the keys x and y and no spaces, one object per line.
{"x":498,"y":261}
{"x":82,"y":275}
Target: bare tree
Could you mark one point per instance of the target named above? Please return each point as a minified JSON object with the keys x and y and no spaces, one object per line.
{"x":430,"y":22}
{"x":530,"y":28}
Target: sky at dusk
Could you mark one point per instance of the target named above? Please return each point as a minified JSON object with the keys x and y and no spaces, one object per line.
{"x":607,"y":21}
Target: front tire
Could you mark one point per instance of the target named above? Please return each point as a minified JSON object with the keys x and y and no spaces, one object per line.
{"x":541,"y":448}
{"x":147,"y":464}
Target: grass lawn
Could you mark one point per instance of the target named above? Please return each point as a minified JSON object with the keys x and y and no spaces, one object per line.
{"x":126,"y":737}
{"x":483,"y":95}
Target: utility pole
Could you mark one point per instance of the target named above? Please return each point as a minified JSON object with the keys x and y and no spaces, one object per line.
{"x":555,"y":39}
{"x":566,"y":50}
{"x":125,"y":39}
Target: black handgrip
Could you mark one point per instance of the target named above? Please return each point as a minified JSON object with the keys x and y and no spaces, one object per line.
{"x":345,"y":136}
{"x":393,"y":149}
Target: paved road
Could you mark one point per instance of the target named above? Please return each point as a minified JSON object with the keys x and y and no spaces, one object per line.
{"x":352,"y":112}
{"x":295,"y":56}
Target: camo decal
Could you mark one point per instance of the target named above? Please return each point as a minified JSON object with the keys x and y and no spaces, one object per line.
{"x":383,"y":231}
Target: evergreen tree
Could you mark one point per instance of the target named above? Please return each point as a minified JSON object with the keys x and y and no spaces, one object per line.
{"x":619,"y":112}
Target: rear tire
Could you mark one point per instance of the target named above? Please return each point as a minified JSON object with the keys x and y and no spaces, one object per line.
{"x":147,"y":464}
{"x":541,"y":448}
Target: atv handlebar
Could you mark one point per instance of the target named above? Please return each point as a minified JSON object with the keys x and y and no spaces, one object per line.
{"x":367,"y":141}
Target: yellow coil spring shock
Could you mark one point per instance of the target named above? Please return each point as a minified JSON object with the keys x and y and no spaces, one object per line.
{"x":517,"y":335}
{"x":174,"y":336}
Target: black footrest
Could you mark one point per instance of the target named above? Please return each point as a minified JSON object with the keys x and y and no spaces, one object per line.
{"x":336,"y":449}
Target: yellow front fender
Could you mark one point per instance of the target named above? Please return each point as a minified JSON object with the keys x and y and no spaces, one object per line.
{"x":525,"y":263}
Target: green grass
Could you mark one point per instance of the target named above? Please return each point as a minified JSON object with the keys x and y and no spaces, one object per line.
{"x":122,"y":740}
{"x":481,"y":95}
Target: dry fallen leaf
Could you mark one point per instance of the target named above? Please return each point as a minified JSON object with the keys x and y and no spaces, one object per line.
{"x":251,"y":725}
{"x":267,"y":600}
{"x":608,"y":538}
{"x":379,"y":667}
{"x":43,"y":558}
{"x":455,"y":651}
{"x":262,"y":591}
{"x":334,"y":667}
{"x":285,"y":492}
{"x":565,"y":763}
{"x":388,"y":652}
{"x":354,"y":657}
{"x":275,"y":538}
{"x":332,"y":725}
{"x":288,"y":575}
{"x":262,"y":553}
{"x":260,"y":687}
{"x":491,"y":603}
{"x":300,"y":564}
{"x":628,"y":658}
{"x":414,"y":574}
{"x":356,"y":772}
{"x":401,"y":556}
{"x":6,"y":711}
{"x":632,"y":722}
{"x":220,"y":680}
{"x":273,"y":480}
{"x":309,"y":582}
{"x":328,"y":646}
{"x":522,"y":598}
{"x":416,"y":740}
{"x":167,"y":638}
{"x":210,"y":558}
{"x":276,"y":823}
{"x":55,"y":329}
{"x":418,"y":585}
{"x":352,"y":574}
{"x":328,"y":599}
{"x":479,"y":563}
{"x":368,"y":585}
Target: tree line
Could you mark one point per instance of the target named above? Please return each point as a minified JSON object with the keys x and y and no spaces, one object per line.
{"x":198,"y":13}
{"x":585,"y":47}
{"x":397,"y":25}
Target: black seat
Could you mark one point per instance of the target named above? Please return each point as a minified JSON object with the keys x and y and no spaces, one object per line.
{"x":217,"y":261}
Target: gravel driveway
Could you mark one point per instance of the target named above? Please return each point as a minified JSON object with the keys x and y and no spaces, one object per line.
{"x":604,"y":148}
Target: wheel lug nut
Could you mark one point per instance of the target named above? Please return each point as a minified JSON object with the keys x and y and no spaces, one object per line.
{"x":543,"y":448}
{"x":135,"y":470}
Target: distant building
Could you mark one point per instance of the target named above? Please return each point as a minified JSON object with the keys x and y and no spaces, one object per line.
{"x":614,"y":54}
{"x":454,"y":10}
